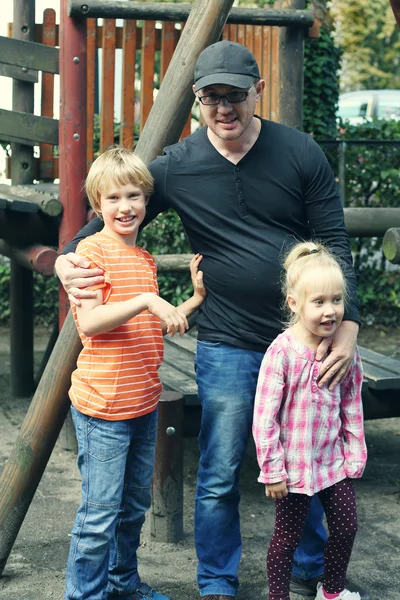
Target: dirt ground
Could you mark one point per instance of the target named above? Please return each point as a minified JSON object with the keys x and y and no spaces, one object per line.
{"x":36,"y":567}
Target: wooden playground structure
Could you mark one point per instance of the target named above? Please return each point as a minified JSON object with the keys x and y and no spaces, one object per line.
{"x":37,"y":219}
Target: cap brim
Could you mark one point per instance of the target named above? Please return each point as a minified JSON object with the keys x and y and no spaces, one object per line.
{"x":233,"y":79}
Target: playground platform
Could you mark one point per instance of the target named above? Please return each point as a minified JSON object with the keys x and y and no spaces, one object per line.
{"x":36,"y":566}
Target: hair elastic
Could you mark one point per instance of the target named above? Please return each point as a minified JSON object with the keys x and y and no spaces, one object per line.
{"x":314,"y":251}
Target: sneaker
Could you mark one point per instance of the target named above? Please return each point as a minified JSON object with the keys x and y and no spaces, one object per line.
{"x":308,"y":587}
{"x":145,"y":592}
{"x":304,"y":587}
{"x":344,"y":595}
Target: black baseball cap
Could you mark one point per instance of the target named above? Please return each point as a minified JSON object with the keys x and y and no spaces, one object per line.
{"x":226,"y":63}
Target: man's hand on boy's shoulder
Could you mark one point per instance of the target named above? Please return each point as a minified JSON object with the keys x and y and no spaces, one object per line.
{"x":76,"y":274}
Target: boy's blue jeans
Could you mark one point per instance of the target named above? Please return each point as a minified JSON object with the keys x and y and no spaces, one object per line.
{"x":227,"y":379}
{"x":116,"y":461}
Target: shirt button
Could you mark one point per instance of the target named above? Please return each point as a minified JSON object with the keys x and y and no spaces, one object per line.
{"x":237,"y":180}
{"x":241,"y":203}
{"x":314,"y":389}
{"x":237,"y":168}
{"x":240,"y":191}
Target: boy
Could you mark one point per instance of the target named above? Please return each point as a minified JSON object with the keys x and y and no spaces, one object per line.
{"x":115,"y":388}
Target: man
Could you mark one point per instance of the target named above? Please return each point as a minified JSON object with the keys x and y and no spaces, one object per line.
{"x":245,"y":190}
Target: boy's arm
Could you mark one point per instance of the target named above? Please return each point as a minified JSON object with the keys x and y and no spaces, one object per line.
{"x":95,"y":318}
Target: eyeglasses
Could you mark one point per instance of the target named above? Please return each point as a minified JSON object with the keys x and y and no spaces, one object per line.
{"x":231,"y":97}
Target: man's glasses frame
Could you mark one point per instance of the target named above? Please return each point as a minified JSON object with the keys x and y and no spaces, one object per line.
{"x":231,"y":97}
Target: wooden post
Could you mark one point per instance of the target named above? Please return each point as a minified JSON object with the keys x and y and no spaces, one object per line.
{"x":166,"y":514}
{"x":72,"y":131}
{"x":291,"y":57}
{"x":21,"y":288}
{"x":49,"y":406}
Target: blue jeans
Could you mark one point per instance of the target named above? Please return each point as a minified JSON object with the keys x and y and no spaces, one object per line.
{"x":227,"y":379}
{"x":116,"y":461}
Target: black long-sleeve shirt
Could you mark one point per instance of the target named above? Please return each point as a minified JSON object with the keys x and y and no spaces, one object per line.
{"x":243,"y":218}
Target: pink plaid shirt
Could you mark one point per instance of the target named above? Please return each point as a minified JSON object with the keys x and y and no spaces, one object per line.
{"x":309,"y":437}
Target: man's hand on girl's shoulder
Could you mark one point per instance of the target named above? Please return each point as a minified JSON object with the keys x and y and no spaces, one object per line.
{"x":342,"y":346}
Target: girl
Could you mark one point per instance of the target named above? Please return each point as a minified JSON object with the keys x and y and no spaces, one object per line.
{"x":309,"y":440}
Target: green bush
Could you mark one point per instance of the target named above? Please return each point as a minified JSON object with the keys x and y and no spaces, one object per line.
{"x":373,"y":180}
{"x":45,"y":296}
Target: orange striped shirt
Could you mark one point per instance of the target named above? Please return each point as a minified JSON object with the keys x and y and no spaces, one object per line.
{"x":117,"y":372}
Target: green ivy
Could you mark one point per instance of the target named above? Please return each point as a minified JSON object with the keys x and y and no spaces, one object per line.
{"x":321,"y":85}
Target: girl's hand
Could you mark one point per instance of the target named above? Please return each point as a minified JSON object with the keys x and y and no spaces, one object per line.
{"x":276,"y":491}
{"x":197,"y":277}
{"x":174,"y":319}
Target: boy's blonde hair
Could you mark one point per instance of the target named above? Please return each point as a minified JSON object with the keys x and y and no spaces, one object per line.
{"x":303,"y":258}
{"x":116,"y":166}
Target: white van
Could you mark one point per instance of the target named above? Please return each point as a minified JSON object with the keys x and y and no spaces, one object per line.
{"x":365,"y":104}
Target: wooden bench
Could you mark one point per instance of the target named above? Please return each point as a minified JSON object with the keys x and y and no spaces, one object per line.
{"x":381,"y":388}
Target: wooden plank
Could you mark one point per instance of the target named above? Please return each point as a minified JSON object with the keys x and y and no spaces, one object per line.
{"x":249,"y":37}
{"x":167,"y":46}
{"x":175,"y":381}
{"x":147,"y":70}
{"x":379,"y":379}
{"x":266,"y":72}
{"x":187,"y":344}
{"x":47,"y":101}
{"x":36,"y":167}
{"x":232,"y":32}
{"x":14,"y":203}
{"x":257,"y":51}
{"x":29,"y":55}
{"x":275,"y":80}
{"x":179,"y":359}
{"x":127,"y":131}
{"x":48,"y":203}
{"x":20,"y":73}
{"x":391,"y":365}
{"x":90,"y":91}
{"x":107,"y":86}
{"x":186,"y":131}
{"x":187,"y":126}
{"x":26,"y":128}
{"x":241,"y":34}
